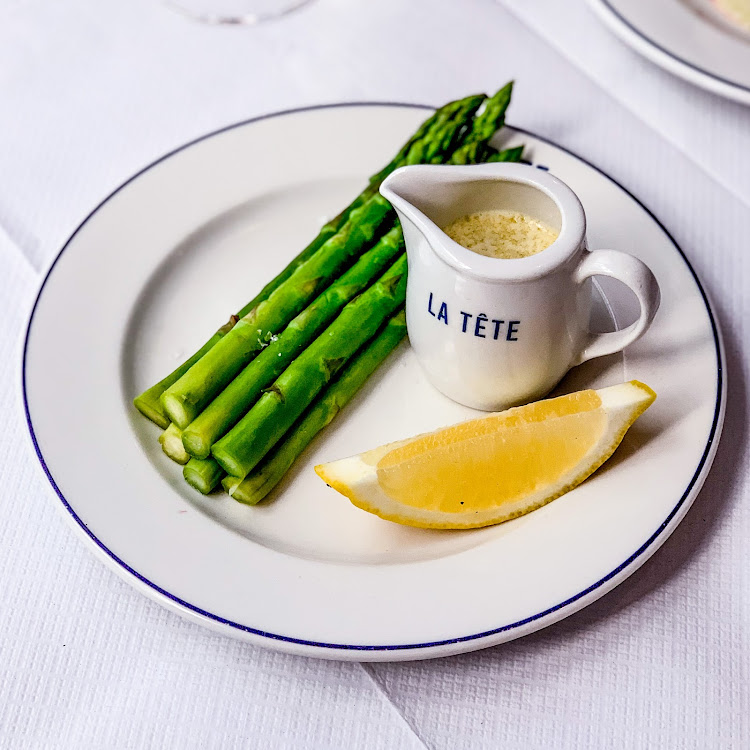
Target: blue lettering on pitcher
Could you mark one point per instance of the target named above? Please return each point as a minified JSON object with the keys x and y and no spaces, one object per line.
{"x":480,"y":324}
{"x":429,"y":306}
{"x":442,"y":312}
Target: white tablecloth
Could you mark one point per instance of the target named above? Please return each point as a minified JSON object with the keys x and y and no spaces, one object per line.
{"x":90,"y":92}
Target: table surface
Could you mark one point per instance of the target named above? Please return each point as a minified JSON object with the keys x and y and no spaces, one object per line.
{"x":93,"y":91}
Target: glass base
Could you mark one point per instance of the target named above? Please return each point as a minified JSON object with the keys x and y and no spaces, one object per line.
{"x":237,"y":12}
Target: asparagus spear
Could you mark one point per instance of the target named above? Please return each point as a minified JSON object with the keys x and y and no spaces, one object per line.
{"x":508,"y":154}
{"x":203,"y":475}
{"x":485,"y":126}
{"x":472,"y":154}
{"x":187,"y":397}
{"x":149,"y":404}
{"x":255,"y":434}
{"x":441,"y":116}
{"x":171,"y":444}
{"x":269,"y":472}
{"x":234,"y":401}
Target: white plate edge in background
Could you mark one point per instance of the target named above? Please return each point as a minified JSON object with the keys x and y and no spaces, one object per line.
{"x":688,"y":70}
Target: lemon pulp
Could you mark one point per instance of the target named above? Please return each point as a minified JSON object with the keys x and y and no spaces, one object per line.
{"x":487,"y":462}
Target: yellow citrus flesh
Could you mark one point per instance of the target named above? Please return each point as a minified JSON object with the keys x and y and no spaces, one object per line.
{"x":737,"y":10}
{"x":489,"y":470}
{"x":488,"y":462}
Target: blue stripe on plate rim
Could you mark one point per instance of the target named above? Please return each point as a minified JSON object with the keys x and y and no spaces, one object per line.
{"x":708,"y":451}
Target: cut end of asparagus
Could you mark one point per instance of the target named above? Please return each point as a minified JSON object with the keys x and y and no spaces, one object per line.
{"x":171,"y":444}
{"x":177,"y":410}
{"x":244,"y":491}
{"x":203,"y":476}
{"x":227,"y":462}
{"x":230,"y":484}
{"x":151,"y":409}
{"x":195,"y":444}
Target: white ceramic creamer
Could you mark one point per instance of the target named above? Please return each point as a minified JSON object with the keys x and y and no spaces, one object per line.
{"x":491,"y":332}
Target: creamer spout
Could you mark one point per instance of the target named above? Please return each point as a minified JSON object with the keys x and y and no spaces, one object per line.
{"x":410,"y":190}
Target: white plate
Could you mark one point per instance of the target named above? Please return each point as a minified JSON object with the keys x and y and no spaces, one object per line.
{"x":689,"y":38}
{"x":161,"y":262}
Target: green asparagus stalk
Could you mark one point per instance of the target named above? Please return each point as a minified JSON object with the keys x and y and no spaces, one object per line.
{"x":204,"y":476}
{"x":508,"y":154}
{"x":438,"y":119}
{"x":472,"y":154}
{"x":269,"y":472}
{"x":443,"y":139}
{"x":187,"y":397}
{"x":240,"y":450}
{"x":235,"y":400}
{"x":149,"y":403}
{"x":485,"y":125}
{"x":171,"y":444}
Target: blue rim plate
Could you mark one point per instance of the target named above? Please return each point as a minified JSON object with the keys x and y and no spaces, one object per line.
{"x":308,"y":573}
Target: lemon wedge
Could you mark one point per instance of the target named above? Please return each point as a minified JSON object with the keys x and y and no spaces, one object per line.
{"x":737,"y":10}
{"x":495,"y":468}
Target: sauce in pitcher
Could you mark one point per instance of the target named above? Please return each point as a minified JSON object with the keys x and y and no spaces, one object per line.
{"x":501,"y":234}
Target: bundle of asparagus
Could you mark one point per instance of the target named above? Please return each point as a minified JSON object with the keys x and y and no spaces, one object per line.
{"x":246,"y":404}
